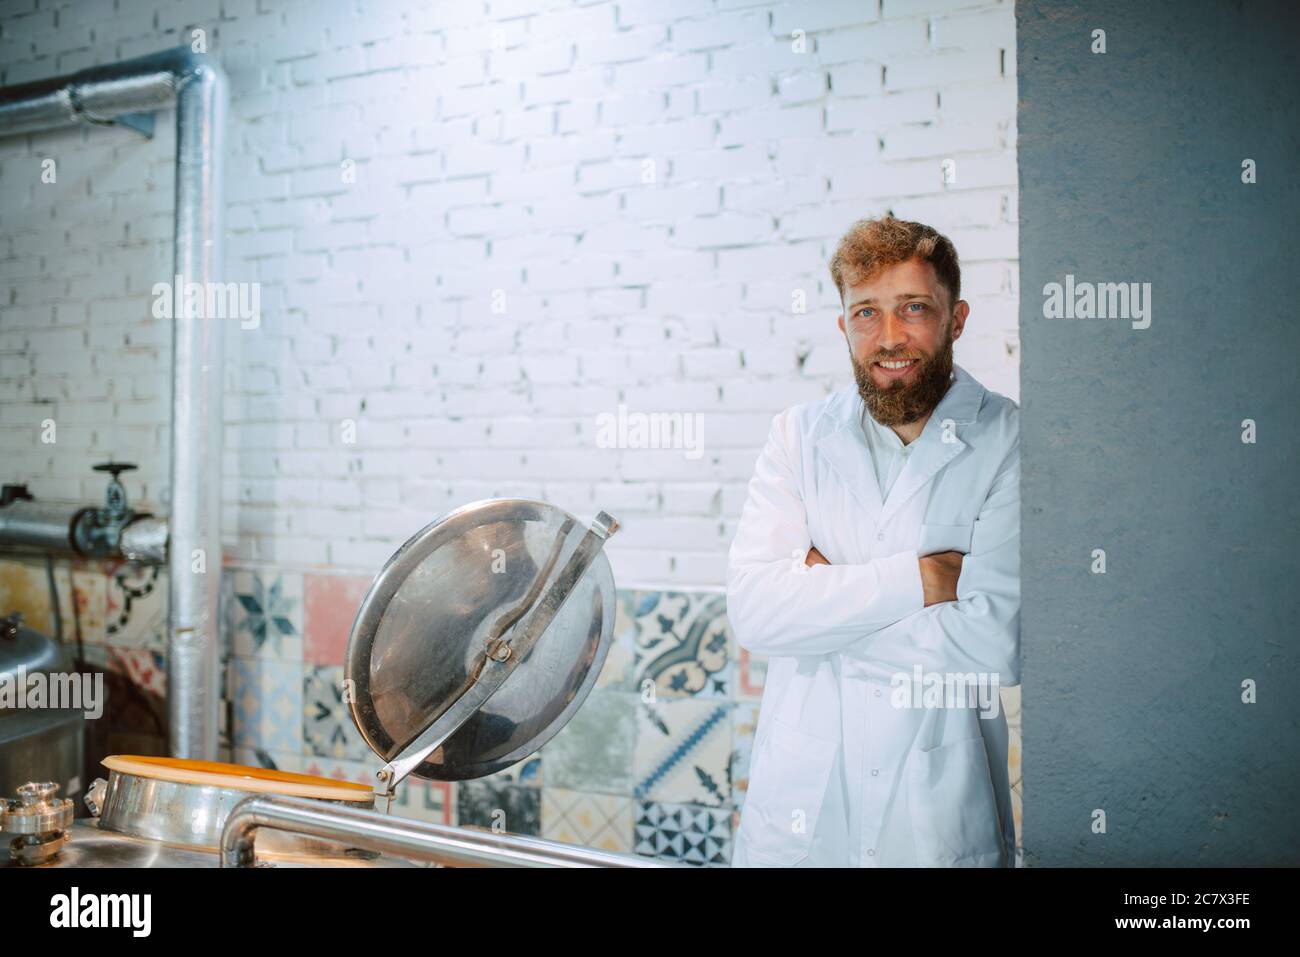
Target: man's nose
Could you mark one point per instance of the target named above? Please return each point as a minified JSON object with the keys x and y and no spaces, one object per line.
{"x":893,"y":334}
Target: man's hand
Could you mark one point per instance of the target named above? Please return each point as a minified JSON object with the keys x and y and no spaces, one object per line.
{"x":815,"y":558}
{"x":939,"y":574}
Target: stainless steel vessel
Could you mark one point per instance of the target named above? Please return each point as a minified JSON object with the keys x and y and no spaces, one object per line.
{"x":36,"y":744}
{"x":476,"y":643}
{"x":187,"y":802}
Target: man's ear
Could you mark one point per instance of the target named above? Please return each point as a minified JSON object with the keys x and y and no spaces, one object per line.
{"x":841,"y":322}
{"x":959,"y":317}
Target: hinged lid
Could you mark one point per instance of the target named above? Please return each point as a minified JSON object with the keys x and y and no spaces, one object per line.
{"x":494,"y":621}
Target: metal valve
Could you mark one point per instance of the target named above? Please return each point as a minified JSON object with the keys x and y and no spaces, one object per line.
{"x":36,"y":824}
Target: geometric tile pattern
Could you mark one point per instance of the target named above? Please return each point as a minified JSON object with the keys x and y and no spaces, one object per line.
{"x":267,"y":703}
{"x":602,"y":821}
{"x":683,"y":751}
{"x":680,"y":832}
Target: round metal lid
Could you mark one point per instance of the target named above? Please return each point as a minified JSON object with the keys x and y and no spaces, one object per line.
{"x":426,"y":620}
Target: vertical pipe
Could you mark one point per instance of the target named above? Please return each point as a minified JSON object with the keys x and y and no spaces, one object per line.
{"x":194,"y":562}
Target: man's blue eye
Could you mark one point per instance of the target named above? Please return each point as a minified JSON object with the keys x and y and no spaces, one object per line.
{"x":918,"y":305}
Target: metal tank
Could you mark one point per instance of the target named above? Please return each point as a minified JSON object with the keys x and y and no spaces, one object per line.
{"x":477,"y":642}
{"x":36,"y":743}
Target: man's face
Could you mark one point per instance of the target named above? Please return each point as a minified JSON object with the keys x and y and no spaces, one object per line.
{"x":900,"y":329}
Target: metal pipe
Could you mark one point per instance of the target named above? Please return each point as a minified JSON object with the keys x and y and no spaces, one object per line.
{"x":194,"y":567}
{"x":52,"y":528}
{"x":48,"y":526}
{"x":413,"y":840}
{"x":197,"y":87}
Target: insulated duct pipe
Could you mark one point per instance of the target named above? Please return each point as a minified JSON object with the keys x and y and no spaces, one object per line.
{"x":126,"y":93}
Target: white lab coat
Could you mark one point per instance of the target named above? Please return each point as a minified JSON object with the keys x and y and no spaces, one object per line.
{"x":839,"y":776}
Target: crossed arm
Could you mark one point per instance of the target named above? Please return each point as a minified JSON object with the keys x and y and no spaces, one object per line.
{"x":784,"y":598}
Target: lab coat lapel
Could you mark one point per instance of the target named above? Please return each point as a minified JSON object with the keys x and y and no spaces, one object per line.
{"x":847,"y":451}
{"x":960,"y":404}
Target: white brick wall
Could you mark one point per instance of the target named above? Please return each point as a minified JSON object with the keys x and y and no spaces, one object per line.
{"x":500,"y":149}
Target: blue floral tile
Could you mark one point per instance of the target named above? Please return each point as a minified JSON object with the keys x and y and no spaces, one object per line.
{"x":327,"y":726}
{"x":683,"y":643}
{"x":266,"y":697}
{"x":684,"y":834}
{"x":266,"y":614}
{"x":683,"y":751}
{"x":502,"y":808}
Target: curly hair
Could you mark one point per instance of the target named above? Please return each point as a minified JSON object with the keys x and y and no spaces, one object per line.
{"x":872,"y":244}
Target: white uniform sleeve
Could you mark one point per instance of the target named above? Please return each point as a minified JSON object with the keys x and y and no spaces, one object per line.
{"x":780,"y":606}
{"x":980,"y":631}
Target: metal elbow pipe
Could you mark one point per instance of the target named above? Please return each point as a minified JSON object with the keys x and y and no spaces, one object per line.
{"x":412,"y":840}
{"x":123,"y":92}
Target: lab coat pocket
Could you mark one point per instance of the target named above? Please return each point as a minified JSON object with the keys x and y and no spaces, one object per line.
{"x":944,"y":538}
{"x":787,"y":788}
{"x":953,"y":808}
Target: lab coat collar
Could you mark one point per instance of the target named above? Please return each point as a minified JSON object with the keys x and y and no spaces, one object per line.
{"x":845,"y":447}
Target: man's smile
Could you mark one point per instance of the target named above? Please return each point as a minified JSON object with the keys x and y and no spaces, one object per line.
{"x":895,"y":369}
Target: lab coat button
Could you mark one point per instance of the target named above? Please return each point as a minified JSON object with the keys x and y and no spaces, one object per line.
{"x":875,"y":772}
{"x":880,"y":536}
{"x":871,"y":852}
{"x":878,"y":692}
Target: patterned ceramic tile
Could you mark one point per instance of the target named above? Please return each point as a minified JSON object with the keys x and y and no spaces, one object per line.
{"x":683,"y":642}
{"x":135,"y":607}
{"x":509,"y":808}
{"x":683,"y":751}
{"x":602,"y":821}
{"x":146,"y":668}
{"x":432,"y":801}
{"x":354,"y":772}
{"x":330,"y":604}
{"x":266,"y":697}
{"x":1011,"y":706}
{"x":679,"y":832}
{"x":751,"y":672}
{"x":275,"y":760}
{"x":268,"y":614}
{"x":86,"y":584}
{"x":616,"y":672}
{"x":528,"y":771}
{"x":24,"y":589}
{"x":744,"y":722}
{"x":327,"y":726}
{"x":594,"y":750}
